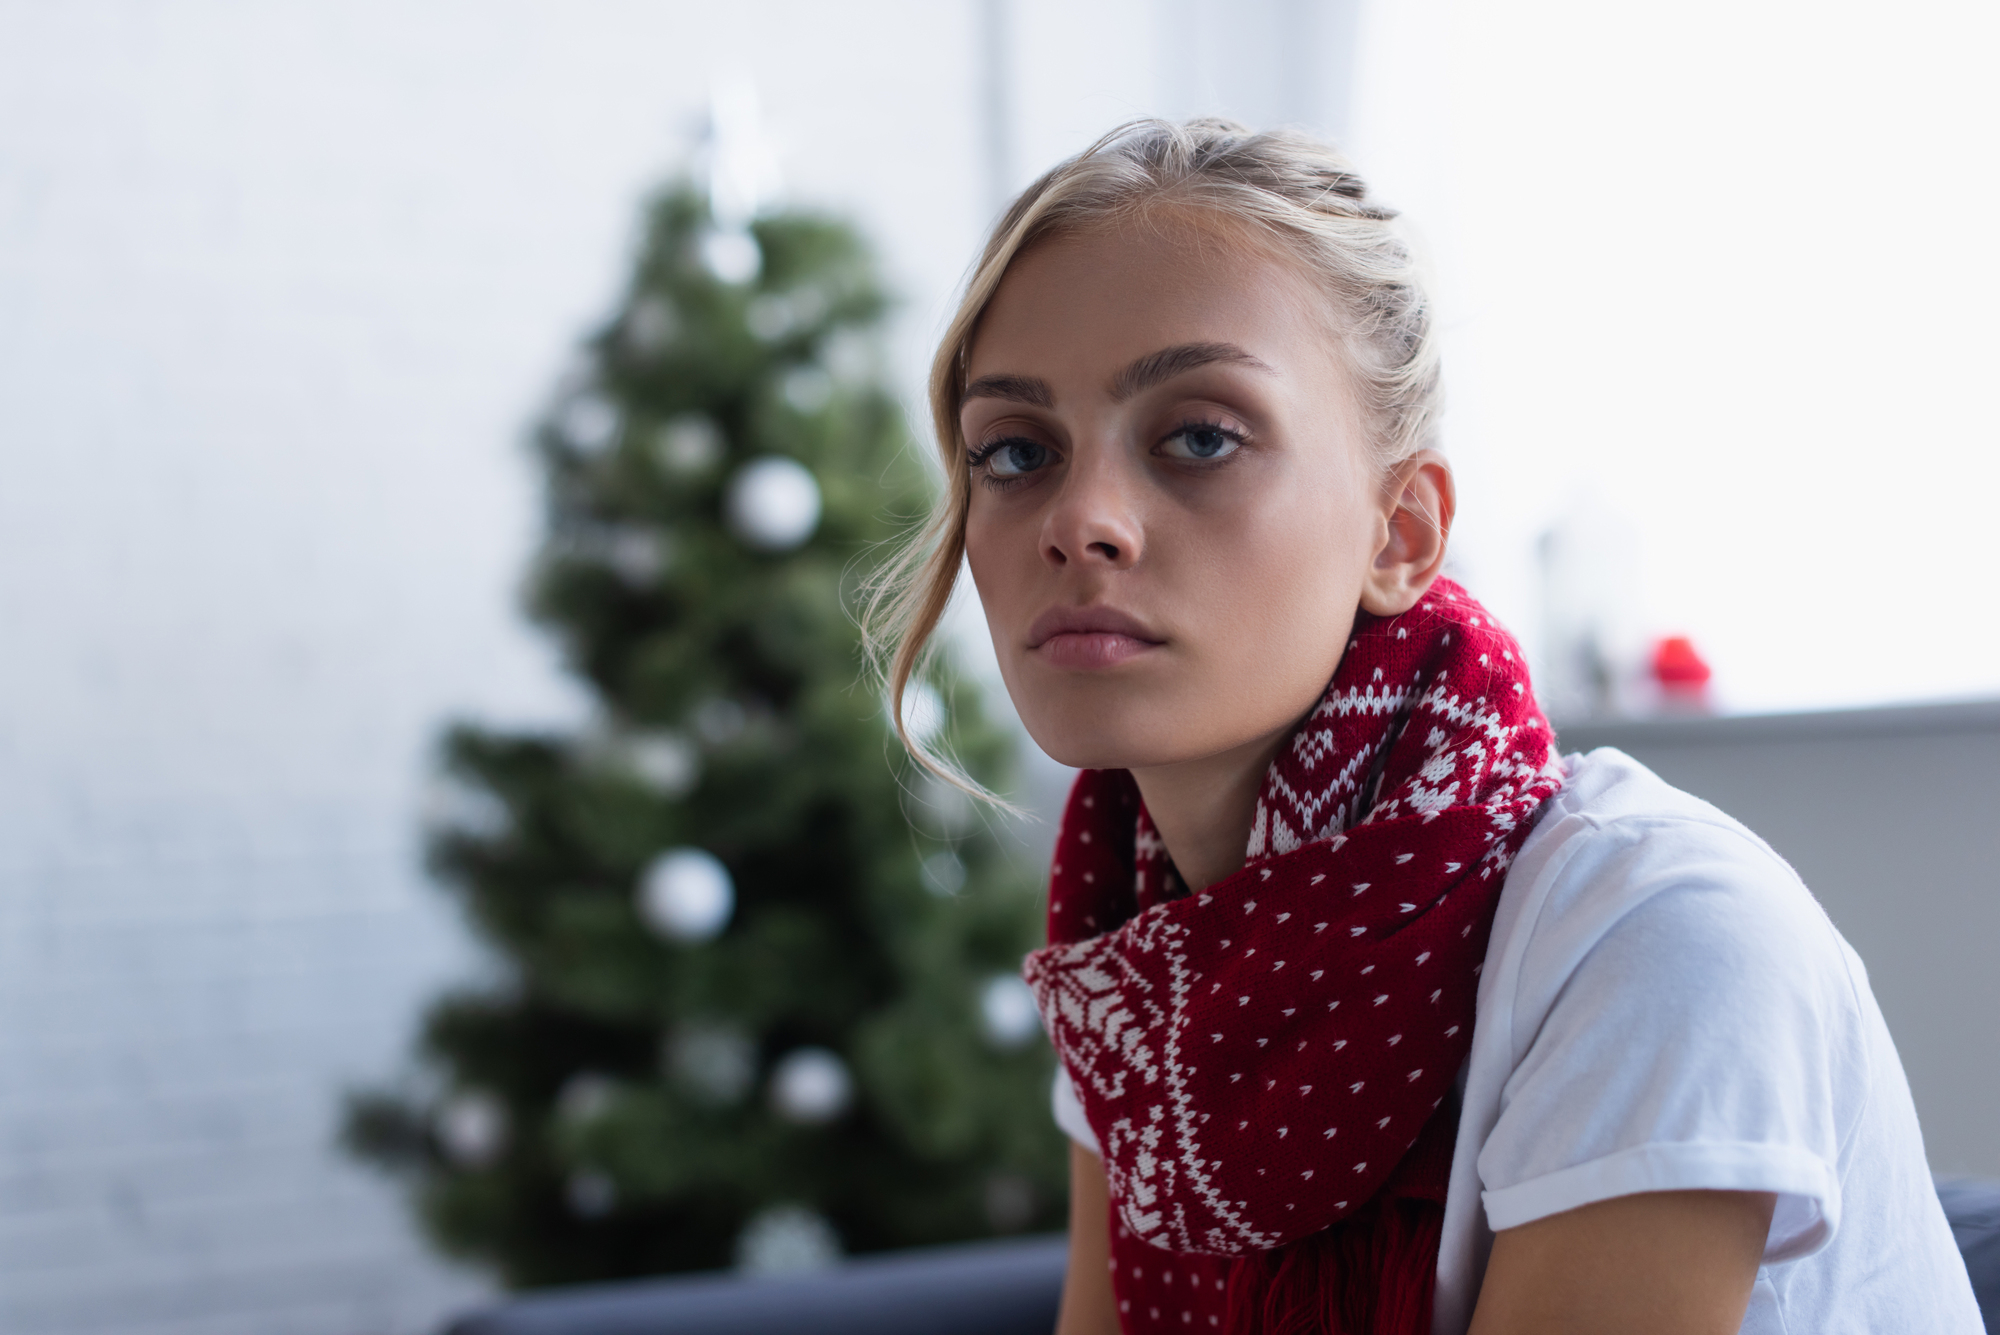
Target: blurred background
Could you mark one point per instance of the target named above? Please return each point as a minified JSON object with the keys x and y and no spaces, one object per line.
{"x":285,"y":290}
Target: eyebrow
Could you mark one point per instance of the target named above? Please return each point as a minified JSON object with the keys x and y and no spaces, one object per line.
{"x":1148,"y":371}
{"x":1017,"y":388}
{"x":1155,"y":367}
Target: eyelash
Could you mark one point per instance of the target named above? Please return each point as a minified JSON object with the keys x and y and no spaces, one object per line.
{"x":1203,"y":424}
{"x":977,"y":457}
{"x":980,"y":454}
{"x":976,"y":460}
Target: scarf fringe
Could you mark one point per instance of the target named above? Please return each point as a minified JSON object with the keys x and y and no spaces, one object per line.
{"x":1374,"y":1273}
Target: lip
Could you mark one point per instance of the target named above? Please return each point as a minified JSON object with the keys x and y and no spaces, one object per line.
{"x":1090,"y":637}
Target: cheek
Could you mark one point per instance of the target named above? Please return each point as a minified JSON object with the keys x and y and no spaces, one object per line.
{"x":993,"y":553}
{"x":1284,"y":592}
{"x":982,"y":545}
{"x":1306,"y":545}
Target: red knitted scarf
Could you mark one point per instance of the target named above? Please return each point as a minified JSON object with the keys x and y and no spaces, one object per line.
{"x":1266,"y":1064}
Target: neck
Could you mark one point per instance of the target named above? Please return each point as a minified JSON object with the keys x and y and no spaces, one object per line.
{"x":1203,"y":808}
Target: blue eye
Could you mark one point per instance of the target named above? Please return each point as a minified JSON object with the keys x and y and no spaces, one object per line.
{"x":1013,"y":458}
{"x":1201,"y":442}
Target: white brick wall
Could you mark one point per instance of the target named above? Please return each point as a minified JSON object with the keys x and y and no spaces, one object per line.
{"x":171,"y":1034}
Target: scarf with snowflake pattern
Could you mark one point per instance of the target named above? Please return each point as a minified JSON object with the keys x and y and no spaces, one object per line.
{"x":1266,"y":1064}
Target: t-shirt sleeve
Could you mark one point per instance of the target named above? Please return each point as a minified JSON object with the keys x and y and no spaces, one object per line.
{"x":1683,"y":1019}
{"x":1069,"y":1113}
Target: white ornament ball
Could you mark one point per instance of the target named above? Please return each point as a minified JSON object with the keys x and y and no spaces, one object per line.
{"x":731,"y":254}
{"x":769,"y":317}
{"x":773,"y":503}
{"x":591,"y":1194}
{"x":717,"y":1062}
{"x":665,"y":762}
{"x":651,"y":325}
{"x":585,"y":1097}
{"x":811,"y":1085}
{"x":636,"y":555}
{"x":852,"y":356}
{"x":938,"y":808}
{"x":807,"y":390}
{"x":686,"y":895}
{"x":690,"y":443}
{"x":589,"y":422}
{"x":472,"y":1128}
{"x":1007,"y":1011}
{"x":719,"y":720}
{"x":774,"y":315}
{"x":786,"y":1239}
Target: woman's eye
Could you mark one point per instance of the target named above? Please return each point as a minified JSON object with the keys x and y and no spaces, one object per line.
{"x":1013,"y":458}
{"x":1200,"y":442}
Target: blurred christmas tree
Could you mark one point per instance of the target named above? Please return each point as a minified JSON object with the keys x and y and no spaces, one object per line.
{"x":760,"y":1001}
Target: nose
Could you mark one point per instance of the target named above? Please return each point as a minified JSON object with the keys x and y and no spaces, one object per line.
{"x":1093,"y":522}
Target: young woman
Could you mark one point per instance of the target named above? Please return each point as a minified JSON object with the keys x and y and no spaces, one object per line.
{"x":1375,"y":1013}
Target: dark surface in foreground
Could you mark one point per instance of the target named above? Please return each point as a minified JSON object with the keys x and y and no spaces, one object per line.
{"x":1974,"y":1210}
{"x":990,"y":1288}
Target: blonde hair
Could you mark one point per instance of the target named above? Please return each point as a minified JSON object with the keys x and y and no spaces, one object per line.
{"x":1283,"y":188}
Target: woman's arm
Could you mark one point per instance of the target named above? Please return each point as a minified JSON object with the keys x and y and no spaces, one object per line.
{"x":1661,"y":1263}
{"x":1087,"y":1306}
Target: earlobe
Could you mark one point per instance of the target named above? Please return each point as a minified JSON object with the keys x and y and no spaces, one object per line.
{"x":1419,"y":499}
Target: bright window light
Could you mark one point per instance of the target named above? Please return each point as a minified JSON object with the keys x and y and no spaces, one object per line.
{"x":1721,"y":278}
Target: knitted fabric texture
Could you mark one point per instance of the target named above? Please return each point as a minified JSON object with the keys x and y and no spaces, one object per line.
{"x":1263,"y":1063}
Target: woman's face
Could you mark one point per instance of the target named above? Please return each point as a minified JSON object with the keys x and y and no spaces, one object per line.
{"x":1173,"y":512}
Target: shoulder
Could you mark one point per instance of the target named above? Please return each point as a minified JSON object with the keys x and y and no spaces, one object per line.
{"x":1663,"y":1006}
{"x":1644,"y":932}
{"x":1613,"y":809}
{"x":1620,"y":857}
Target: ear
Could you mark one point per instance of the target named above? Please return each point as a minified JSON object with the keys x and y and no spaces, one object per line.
{"x":1418,"y":501}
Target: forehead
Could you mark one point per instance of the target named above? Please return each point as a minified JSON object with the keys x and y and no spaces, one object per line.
{"x":1085,"y":300}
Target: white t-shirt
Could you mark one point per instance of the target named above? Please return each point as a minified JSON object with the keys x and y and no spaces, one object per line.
{"x":1664,"y":1006}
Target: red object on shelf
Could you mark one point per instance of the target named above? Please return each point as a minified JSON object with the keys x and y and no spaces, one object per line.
{"x":1677,"y":666}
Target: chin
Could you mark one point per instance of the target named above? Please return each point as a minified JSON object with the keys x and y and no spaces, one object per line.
{"x":1151,"y":712}
{"x":1096,"y":734}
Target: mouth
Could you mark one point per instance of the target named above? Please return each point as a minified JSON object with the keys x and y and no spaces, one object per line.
{"x":1090,"y":637}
